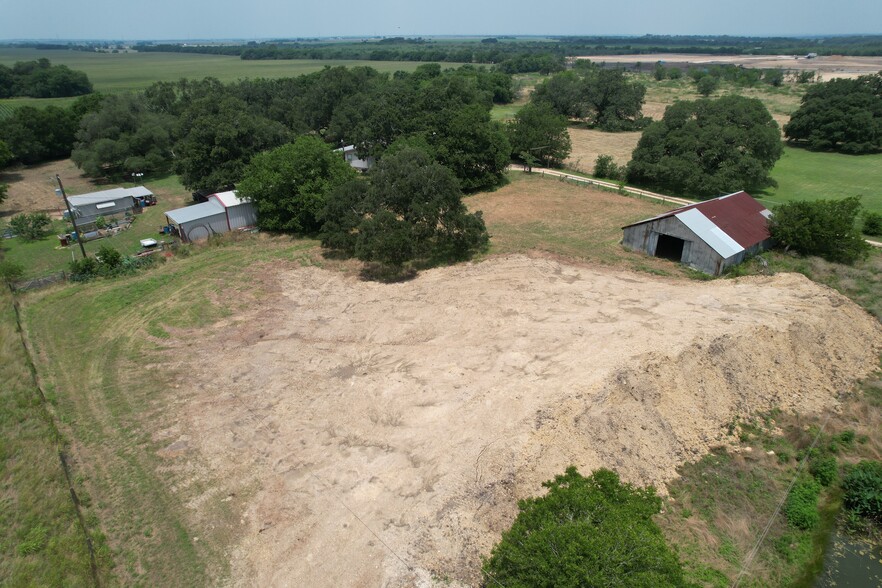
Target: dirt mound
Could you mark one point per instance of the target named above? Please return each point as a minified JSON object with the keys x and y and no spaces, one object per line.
{"x":381,"y":434}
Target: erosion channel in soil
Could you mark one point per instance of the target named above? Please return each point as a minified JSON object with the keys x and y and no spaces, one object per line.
{"x":380,"y":435}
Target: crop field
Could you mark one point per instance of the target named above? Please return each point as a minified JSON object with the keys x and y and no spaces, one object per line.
{"x":121,"y":72}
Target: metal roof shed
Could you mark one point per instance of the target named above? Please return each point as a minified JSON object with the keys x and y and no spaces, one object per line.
{"x":708,"y":236}
{"x":240,"y":213}
{"x":199,"y":221}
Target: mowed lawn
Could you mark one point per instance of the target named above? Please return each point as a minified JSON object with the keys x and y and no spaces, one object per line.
{"x":809,"y":175}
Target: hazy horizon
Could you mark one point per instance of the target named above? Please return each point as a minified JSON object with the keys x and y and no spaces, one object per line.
{"x":106,"y":20}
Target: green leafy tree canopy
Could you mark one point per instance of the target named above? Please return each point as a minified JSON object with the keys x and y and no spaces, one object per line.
{"x":826,"y":228}
{"x":842,"y":115}
{"x":409,"y":208}
{"x":540,"y":131}
{"x":707,"y":148}
{"x":586,"y":531}
{"x":290,"y":184}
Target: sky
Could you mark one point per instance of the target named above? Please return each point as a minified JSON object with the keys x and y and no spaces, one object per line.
{"x":262,"y":19}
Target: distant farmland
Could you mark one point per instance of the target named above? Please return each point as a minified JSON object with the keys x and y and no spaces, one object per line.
{"x":121,"y":72}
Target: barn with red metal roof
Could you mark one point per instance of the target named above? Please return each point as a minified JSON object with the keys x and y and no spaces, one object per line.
{"x":708,"y":236}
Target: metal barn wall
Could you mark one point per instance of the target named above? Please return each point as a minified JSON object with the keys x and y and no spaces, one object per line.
{"x":242,"y":215}
{"x":89,"y":212}
{"x":696,"y":253}
{"x":203,"y":228}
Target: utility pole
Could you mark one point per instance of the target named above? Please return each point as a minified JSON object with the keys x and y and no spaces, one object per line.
{"x":73,"y":220}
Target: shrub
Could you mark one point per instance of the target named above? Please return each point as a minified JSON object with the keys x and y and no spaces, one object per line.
{"x":593,"y":531}
{"x":10,"y":271}
{"x":605,"y":167}
{"x":872,"y":224}
{"x":30,"y":227}
{"x":109,"y":259}
{"x":824,"y":469}
{"x":863,"y":489}
{"x":801,"y":507}
{"x":825,"y":228}
{"x":83,"y":270}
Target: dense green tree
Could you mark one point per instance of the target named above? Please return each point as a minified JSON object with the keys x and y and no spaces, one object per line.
{"x":605,"y":167}
{"x":289,"y":185}
{"x":218,"y":137}
{"x":708,"y":147}
{"x":41,"y":79}
{"x":842,"y":115}
{"x":707,"y":85}
{"x":541,"y":132}
{"x":586,"y":531}
{"x":6,"y":156}
{"x":409,"y":207}
{"x":4,"y":192}
{"x":604,"y":98}
{"x":474,"y":147}
{"x":39,"y":134}
{"x":123,"y":137}
{"x":826,"y":228}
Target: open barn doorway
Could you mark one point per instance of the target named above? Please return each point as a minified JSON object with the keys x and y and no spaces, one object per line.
{"x":669,"y":248}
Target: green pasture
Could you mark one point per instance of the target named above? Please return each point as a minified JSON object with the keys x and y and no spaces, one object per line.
{"x":810,"y":175}
{"x":122,"y":72}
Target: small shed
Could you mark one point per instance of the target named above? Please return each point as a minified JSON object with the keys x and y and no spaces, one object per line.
{"x":709,"y":236}
{"x":240,"y":213}
{"x":106,"y":203}
{"x":350,"y":154}
{"x":220,"y":213}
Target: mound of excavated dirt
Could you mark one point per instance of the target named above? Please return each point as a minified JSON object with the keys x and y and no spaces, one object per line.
{"x":383,"y":433}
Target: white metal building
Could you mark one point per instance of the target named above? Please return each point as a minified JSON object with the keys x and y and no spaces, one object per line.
{"x":350,"y":154}
{"x":221,"y":213}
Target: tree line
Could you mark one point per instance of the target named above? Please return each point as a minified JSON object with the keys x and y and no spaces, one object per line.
{"x":41,"y":79}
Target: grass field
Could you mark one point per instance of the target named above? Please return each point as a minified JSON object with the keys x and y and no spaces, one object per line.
{"x":46,"y":256}
{"x":121,"y":72}
{"x":41,"y":541}
{"x":107,"y":396}
{"x":808,"y":175}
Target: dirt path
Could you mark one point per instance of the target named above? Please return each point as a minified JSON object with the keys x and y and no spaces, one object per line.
{"x":382,"y":434}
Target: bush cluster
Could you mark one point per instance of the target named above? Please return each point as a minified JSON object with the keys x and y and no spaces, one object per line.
{"x":605,"y":167}
{"x":586,"y":531}
{"x":107,"y":263}
{"x":826,"y":228}
{"x":863,"y":490}
{"x":30,"y":226}
{"x":801,"y":507}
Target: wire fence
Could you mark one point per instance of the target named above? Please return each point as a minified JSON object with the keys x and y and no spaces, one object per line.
{"x":41,"y":282}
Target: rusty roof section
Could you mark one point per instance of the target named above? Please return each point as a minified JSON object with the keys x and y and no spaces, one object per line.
{"x":738,"y":215}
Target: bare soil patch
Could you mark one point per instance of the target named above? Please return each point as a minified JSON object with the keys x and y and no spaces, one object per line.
{"x":828,"y":67}
{"x":390,"y":429}
{"x":32,"y":189}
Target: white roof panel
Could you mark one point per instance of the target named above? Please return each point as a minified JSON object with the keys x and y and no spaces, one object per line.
{"x":228,"y":199}
{"x":195,"y":212}
{"x":710,"y":233}
{"x":98,"y":197}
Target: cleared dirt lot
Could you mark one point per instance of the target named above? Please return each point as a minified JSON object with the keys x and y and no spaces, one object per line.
{"x":828,"y":67}
{"x":381,"y":434}
{"x":32,"y":189}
